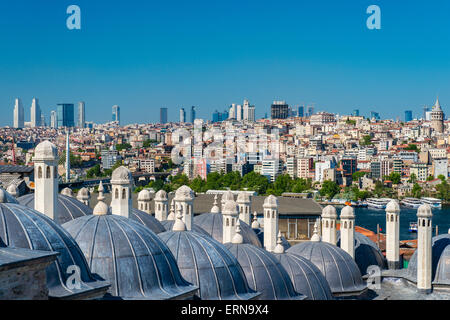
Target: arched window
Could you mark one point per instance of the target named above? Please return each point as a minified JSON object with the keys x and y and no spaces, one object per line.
{"x":326,"y":224}
{"x":332,"y":224}
{"x":345,"y":225}
{"x":124,"y":193}
{"x":47,"y":173}
{"x":273,"y":214}
{"x":429,"y":223}
{"x":350,"y":224}
{"x":227,"y":223}
{"x":423,"y":222}
{"x":392,"y":218}
{"x":268,"y":214}
{"x":159,"y":206}
{"x":40,"y":172}
{"x":141,"y":207}
{"x":116,"y":194}
{"x":232,"y":222}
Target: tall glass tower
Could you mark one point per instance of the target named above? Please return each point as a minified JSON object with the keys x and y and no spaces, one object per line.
{"x":65,"y":115}
{"x":116,"y":114}
{"x":193,"y":114}
{"x":81,"y":115}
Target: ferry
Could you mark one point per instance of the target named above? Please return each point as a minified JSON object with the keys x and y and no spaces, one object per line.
{"x":433,"y":202}
{"x":377,"y":203}
{"x":413,"y":227}
{"x":411,"y":202}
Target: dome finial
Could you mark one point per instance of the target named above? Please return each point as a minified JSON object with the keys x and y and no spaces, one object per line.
{"x":238,"y":239}
{"x":101,"y":208}
{"x":171,"y":215}
{"x":100,"y":191}
{"x":179,"y":224}
{"x":316,"y":236}
{"x":279,"y":247}
{"x":255,"y":223}
{"x":215,"y":208}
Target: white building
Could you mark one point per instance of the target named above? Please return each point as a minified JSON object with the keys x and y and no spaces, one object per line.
{"x":271,"y":168}
{"x":35,"y":113}
{"x":18,"y":114}
{"x":81,"y":115}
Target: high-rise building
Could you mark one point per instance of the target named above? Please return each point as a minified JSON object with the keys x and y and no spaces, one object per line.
{"x":279,"y":110}
{"x":54,"y":119}
{"x":163,"y":115}
{"x":182,"y":115}
{"x":310,"y":111}
{"x":116,"y":114}
{"x":232,"y":112}
{"x":193,"y":116}
{"x":43,"y":124}
{"x":35,"y":113}
{"x":356,"y":113}
{"x":248,"y":112}
{"x":374,"y":115}
{"x":18,"y":114}
{"x":81,"y":115}
{"x":408,"y":116}
{"x":239,"y":115}
{"x":301,"y":111}
{"x":65,"y":115}
{"x":437,"y":117}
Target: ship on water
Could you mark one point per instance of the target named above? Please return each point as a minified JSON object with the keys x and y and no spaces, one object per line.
{"x":411,"y":203}
{"x":377,"y":203}
{"x":433,"y":202}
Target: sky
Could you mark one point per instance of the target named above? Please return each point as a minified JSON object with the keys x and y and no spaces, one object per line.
{"x":143,"y":55}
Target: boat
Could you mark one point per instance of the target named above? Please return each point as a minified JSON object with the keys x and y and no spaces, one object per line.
{"x":377,"y":203}
{"x":433,"y":202}
{"x":411,"y":203}
{"x":413,"y":226}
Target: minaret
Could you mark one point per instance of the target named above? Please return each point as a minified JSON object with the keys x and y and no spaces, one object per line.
{"x":171,"y":215}
{"x":144,"y":199}
{"x":255,"y":223}
{"x":424,"y":248}
{"x":348,"y":230}
{"x":67,"y":157}
{"x":329,"y":219}
{"x":84,"y":196}
{"x":393,"y":235}
{"x":161,"y":205}
{"x":121,"y":182}
{"x":230,"y":214}
{"x":46,"y":179}
{"x":244,"y":203}
{"x":270,"y":222}
{"x":227,"y":196}
{"x":184,"y":200}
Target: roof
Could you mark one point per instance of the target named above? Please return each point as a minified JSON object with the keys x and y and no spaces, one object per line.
{"x":16,"y":169}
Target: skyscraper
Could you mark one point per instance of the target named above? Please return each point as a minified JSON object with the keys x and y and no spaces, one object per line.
{"x":116,"y":114}
{"x":239,"y":112}
{"x":53,"y":119}
{"x":310,"y":111}
{"x":408,"y":116}
{"x":374,"y":115}
{"x":81,"y":115}
{"x":182,"y":115}
{"x":356,"y":113}
{"x":279,"y":110}
{"x":43,"y":124}
{"x":35,"y":113}
{"x":163,"y":115}
{"x":248,"y":112}
{"x":301,"y":111}
{"x":193,"y":117}
{"x":18,"y":114}
{"x":65,"y":115}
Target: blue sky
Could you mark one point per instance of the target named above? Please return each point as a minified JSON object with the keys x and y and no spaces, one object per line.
{"x":143,"y":55}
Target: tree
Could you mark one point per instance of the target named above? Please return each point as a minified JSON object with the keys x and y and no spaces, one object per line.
{"x":379,"y":188}
{"x":283,"y":183}
{"x":256,"y":182}
{"x":148,"y":143}
{"x":443,"y":190}
{"x":329,"y":189}
{"x":412,"y":178}
{"x":94,"y":171}
{"x":412,"y":147}
{"x":358,"y":174}
{"x":395,"y":177}
{"x":123,"y":146}
{"x":416,"y":191}
{"x":198,"y":185}
{"x":366,"y":140}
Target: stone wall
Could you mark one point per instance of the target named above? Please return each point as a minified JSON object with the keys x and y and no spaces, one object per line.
{"x":24,"y":283}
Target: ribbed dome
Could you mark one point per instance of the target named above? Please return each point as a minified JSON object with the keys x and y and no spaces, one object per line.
{"x":22,"y":227}
{"x":212,"y":223}
{"x":347,"y":213}
{"x":121,"y":175}
{"x":366,"y":252}
{"x":270,"y":202}
{"x":243,"y":197}
{"x":264,"y":272}
{"x":168,"y":225}
{"x":7,"y":197}
{"x":440,"y":268}
{"x":147,"y":220}
{"x":46,"y":151}
{"x":305,"y":276}
{"x":329,"y":212}
{"x":161,"y":195}
{"x":130,"y":256}
{"x":227,"y":196}
{"x":67,"y":192}
{"x":208,"y":264}
{"x":144,"y":195}
{"x":184,"y":193}
{"x":260,"y":234}
{"x":393,"y":206}
{"x":68,"y":208}
{"x":338,"y":267}
{"x":12,"y":190}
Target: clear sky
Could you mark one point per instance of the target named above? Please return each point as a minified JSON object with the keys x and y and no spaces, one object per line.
{"x":145,"y":54}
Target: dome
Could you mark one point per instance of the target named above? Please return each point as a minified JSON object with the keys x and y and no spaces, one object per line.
{"x":347,"y":213}
{"x":424,"y":211}
{"x":329,"y":212}
{"x":67,"y":192}
{"x":440,"y":270}
{"x":68,"y":208}
{"x":121,"y":175}
{"x":184,"y":193}
{"x":230,"y":208}
{"x":212,"y":223}
{"x":161,"y":195}
{"x":168,"y":225}
{"x":260,"y":234}
{"x":270,"y":202}
{"x":366,"y":252}
{"x":208,"y":264}
{"x":227,"y":196}
{"x":23,"y":227}
{"x":83,"y":193}
{"x":243,"y":197}
{"x":305,"y":276}
{"x":264,"y":272}
{"x":46,"y":151}
{"x":12,"y":190}
{"x":147,"y":220}
{"x":393,"y":206}
{"x":130,"y":256}
{"x":144,"y":195}
{"x":6,"y":197}
{"x":338,"y":267}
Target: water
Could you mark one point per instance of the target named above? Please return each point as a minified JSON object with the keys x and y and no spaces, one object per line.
{"x":369,"y":218}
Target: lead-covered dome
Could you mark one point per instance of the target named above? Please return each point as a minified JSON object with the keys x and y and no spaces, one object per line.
{"x":130,"y":256}
{"x":208,"y":264}
{"x":338,"y":267}
{"x":121,"y":175}
{"x":23,"y":227}
{"x":67,"y":209}
{"x":144,"y":195}
{"x":212,"y":223}
{"x":147,"y":220}
{"x":184,"y":193}
{"x":46,"y":151}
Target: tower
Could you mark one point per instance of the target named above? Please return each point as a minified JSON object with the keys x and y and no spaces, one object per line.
{"x":46,"y":179}
{"x":116,"y":114}
{"x":393,"y":235}
{"x":270,"y":222}
{"x":184,"y":201}
{"x":230,"y":217}
{"x":144,"y":200}
{"x":121,"y":182}
{"x":424,"y":248}
{"x":329,"y":219}
{"x":81,"y":115}
{"x":437,"y":117}
{"x":35,"y":113}
{"x":348,"y":230}
{"x":161,"y":205}
{"x":18,"y":114}
{"x":182,"y":115}
{"x":244,"y":203}
{"x":227,"y":196}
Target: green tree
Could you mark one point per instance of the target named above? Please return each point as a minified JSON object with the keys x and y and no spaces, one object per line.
{"x":283,"y":183}
{"x":366,"y":140}
{"x":94,"y":171}
{"x":256,"y":182}
{"x":329,"y":189}
{"x":198,"y":185}
{"x":358,"y":174}
{"x":123,"y":146}
{"x":395,"y":177}
{"x":416,"y":191}
{"x":443,"y":190}
{"x":379,"y":189}
{"x":412,"y":178}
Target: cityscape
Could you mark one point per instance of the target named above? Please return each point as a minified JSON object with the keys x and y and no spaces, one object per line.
{"x":224,"y":152}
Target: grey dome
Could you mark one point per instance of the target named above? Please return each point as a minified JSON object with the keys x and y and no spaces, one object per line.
{"x":68,"y":208}
{"x":168,"y":225}
{"x":130,"y":256}
{"x":8,"y":197}
{"x":440,"y":267}
{"x":366,"y":252}
{"x":46,"y":150}
{"x":121,"y":175}
{"x":305,"y":276}
{"x":208,"y":264}
{"x":147,"y":220}
{"x":212,"y":223}
{"x":260,"y":234}
{"x":23,"y":227}
{"x":264,"y":272}
{"x":338,"y":267}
